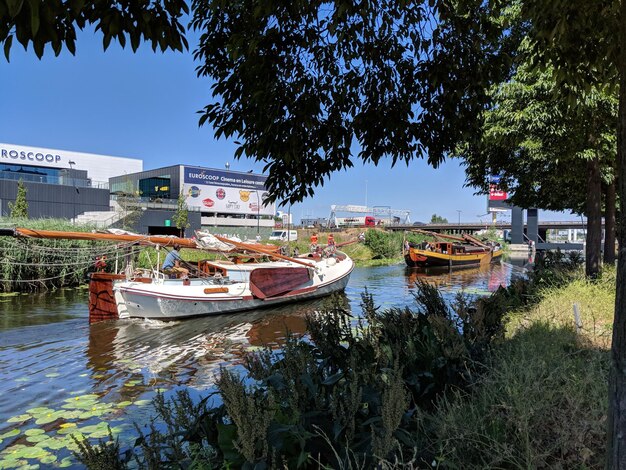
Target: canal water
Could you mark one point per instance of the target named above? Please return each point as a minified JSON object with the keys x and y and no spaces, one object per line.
{"x":59,"y":375}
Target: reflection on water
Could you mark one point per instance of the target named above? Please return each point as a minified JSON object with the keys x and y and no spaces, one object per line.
{"x":49,"y":352}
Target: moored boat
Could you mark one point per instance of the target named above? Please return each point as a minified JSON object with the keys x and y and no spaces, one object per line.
{"x":252,"y":276}
{"x":450,"y":251}
{"x":233,"y":288}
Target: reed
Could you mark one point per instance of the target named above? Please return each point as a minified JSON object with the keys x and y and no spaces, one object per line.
{"x":35,"y":264}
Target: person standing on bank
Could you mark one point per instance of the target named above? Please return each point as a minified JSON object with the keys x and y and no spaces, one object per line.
{"x":314,"y":241}
{"x":172,"y":263}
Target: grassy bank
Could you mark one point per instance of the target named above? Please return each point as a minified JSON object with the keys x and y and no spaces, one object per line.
{"x":543,"y":400}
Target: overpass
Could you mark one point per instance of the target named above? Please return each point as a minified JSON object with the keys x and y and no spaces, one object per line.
{"x":536,"y":231}
{"x":469,"y":227}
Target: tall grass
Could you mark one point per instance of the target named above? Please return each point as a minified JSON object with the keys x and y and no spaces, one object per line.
{"x":32,"y":264}
{"x":543,"y":400}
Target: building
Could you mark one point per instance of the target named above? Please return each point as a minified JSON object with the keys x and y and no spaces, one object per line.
{"x":218,"y":200}
{"x":59,"y":183}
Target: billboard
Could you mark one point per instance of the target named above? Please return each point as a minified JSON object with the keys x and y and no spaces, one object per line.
{"x":497,"y":197}
{"x":225,"y":191}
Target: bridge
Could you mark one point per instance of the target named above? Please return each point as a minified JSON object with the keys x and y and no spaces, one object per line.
{"x":540,"y":234}
{"x":470,"y":227}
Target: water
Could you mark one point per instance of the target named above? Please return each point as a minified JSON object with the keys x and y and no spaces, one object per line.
{"x":58,"y":373}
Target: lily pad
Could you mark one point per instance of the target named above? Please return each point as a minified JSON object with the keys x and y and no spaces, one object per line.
{"x":49,"y":418}
{"x":53,"y":444}
{"x":34,"y":431}
{"x":13,"y":464}
{"x":52,"y":374}
{"x":48,"y":459}
{"x":24,"y":452}
{"x":143,"y":402}
{"x":19,"y":418}
{"x":66,"y":462}
{"x":124,"y":404}
{"x":38,"y":438}
{"x":11,"y":433}
{"x":40,"y":410}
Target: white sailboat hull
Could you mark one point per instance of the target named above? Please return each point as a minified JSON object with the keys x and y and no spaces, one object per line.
{"x":170,"y":299}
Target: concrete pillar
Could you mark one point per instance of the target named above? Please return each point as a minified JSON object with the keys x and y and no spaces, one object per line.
{"x":517,"y":225}
{"x":532,"y":224}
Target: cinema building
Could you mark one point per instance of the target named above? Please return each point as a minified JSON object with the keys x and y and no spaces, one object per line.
{"x":59,"y":183}
{"x":220,"y":201}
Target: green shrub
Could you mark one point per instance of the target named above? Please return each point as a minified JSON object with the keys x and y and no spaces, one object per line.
{"x":346,"y":397}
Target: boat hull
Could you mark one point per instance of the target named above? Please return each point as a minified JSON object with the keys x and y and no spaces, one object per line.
{"x":138,"y":300}
{"x":416,"y":258}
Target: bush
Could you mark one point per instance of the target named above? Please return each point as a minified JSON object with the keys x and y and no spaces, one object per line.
{"x":347,"y":397}
{"x":384,"y":244}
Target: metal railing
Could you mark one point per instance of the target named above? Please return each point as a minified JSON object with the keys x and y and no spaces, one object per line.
{"x":50,"y":179}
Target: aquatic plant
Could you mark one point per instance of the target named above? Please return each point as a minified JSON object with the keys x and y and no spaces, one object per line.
{"x":347,"y":396}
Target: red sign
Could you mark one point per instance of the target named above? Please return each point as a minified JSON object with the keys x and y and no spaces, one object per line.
{"x":208,"y":202}
{"x":496,"y":194}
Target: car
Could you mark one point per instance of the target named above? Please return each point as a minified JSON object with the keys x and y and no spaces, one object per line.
{"x":284,"y":235}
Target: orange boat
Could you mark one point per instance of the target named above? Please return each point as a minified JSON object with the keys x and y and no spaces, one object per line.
{"x":450,"y":251}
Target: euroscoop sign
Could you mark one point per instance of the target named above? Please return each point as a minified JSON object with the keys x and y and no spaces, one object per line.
{"x":11,"y":154}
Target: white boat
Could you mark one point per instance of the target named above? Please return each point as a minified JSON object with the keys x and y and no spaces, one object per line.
{"x":220,"y":286}
{"x":237,"y":287}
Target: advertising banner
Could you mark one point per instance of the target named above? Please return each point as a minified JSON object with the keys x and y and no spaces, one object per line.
{"x":497,"y":197}
{"x":495,"y":193}
{"x":226,"y":191}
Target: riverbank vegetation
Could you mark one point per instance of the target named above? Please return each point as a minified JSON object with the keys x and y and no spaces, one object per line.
{"x":511,"y":380}
{"x":41,"y":264}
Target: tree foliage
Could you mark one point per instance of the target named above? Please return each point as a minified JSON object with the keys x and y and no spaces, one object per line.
{"x":438,"y":219}
{"x":539,"y":144}
{"x":19,"y":208}
{"x":303,"y":84}
{"x":54,"y":23}
{"x":181,"y":216}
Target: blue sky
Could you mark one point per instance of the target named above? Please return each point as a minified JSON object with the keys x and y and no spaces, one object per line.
{"x":143,"y":105}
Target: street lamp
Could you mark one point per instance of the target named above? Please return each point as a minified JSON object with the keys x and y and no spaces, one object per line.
{"x":71,"y":164}
{"x":459,"y":212}
{"x":258,"y":209}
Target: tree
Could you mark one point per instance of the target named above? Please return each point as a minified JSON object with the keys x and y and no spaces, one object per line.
{"x":181,"y":216}
{"x":437,"y":219}
{"x":19,"y":208}
{"x":302,"y":84}
{"x":54,"y":23}
{"x":585,"y":42}
{"x":548,"y":153}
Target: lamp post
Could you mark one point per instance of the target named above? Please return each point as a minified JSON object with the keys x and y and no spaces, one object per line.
{"x":71,"y":164}
{"x":258,"y":210}
{"x":459,"y":212}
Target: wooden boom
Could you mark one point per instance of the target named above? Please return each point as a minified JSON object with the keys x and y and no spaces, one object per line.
{"x":245,"y":246}
{"x":139,"y":239}
{"x":438,"y":235}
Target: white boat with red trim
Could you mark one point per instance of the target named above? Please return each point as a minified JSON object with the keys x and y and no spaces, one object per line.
{"x":232,"y":288}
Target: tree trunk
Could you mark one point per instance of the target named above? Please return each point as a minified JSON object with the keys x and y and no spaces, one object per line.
{"x":609,"y":225}
{"x":616,"y":445}
{"x":594,"y":218}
